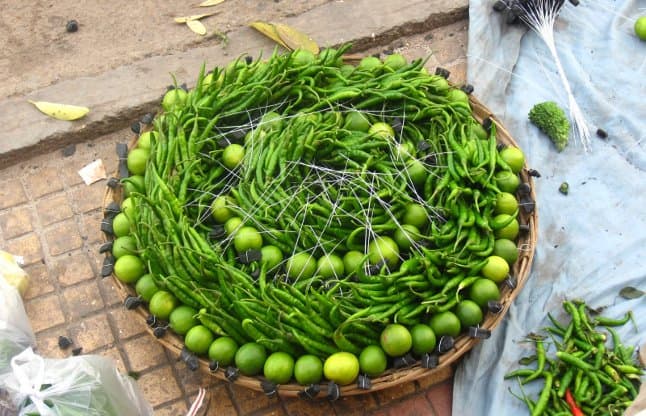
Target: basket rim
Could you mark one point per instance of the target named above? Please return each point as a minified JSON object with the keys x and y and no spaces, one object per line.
{"x":391,"y":377}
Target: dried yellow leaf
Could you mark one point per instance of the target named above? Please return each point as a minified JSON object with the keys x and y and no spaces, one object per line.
{"x":196,"y":26}
{"x":209,"y":3}
{"x":295,"y":39}
{"x":269,"y":30}
{"x":61,"y":111}
{"x":184,"y":19}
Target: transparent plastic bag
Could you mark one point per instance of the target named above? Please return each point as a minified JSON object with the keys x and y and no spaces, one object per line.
{"x":86,"y":385}
{"x":15,"y":331}
{"x":12,"y":272}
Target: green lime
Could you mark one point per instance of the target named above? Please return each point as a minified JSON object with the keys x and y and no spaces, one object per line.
{"x":128,"y":208}
{"x":369,"y":63}
{"x":510,"y":231}
{"x":223,"y":351}
{"x":640,"y":27}
{"x":129,"y":268}
{"x":416,"y":172}
{"x":301,"y":57}
{"x":356,"y":121}
{"x":137,"y":159}
{"x":271,"y":121}
{"x":300,"y":266}
{"x":395,"y":61}
{"x":479,"y":131}
{"x":396,"y":340}
{"x":424,"y":339}
{"x":445,"y":323}
{"x":373,"y":360}
{"x":146,"y":139}
{"x":457,"y":95}
{"x":329,"y":266}
{"x":124,"y":245}
{"x":385,"y":249}
{"x":182,"y":318}
{"x":482,"y":291}
{"x":407,"y":236}
{"x":415,"y":214}
{"x":232,"y":225}
{"x":174,"y":98}
{"x":308,"y":369}
{"x":353,"y":261}
{"x":279,"y":367}
{"x":162,"y":304}
{"x":232,"y":156}
{"x":403,"y":151}
{"x":496,"y":268}
{"x":506,"y":249}
{"x":221,"y":208}
{"x":198,"y":339}
{"x":514,"y":157}
{"x":507,"y":181}
{"x":146,"y":287}
{"x":506,"y":203}
{"x":134,"y":183}
{"x":381,"y":130}
{"x":271,"y":256}
{"x":250,"y":358}
{"x":469,"y":313}
{"x":341,"y":367}
{"x":121,"y":225}
{"x":247,"y":238}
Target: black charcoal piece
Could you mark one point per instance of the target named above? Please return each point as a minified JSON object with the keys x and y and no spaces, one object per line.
{"x":193,"y":363}
{"x":248,"y":59}
{"x":106,"y":247}
{"x":445,"y":344}
{"x":184,"y":87}
{"x":64,"y":342}
{"x":249,"y":256}
{"x":524,"y":189}
{"x":72,"y":26}
{"x":363,"y":382}
{"x":534,"y":173}
{"x":255,"y":273}
{"x":108,"y":266}
{"x":151,"y":320}
{"x":106,"y":226}
{"x":467,"y":88}
{"x":602,"y":133}
{"x":223,"y":142}
{"x":310,"y":391}
{"x":269,"y":388}
{"x":511,"y":17}
{"x":132,"y":302}
{"x":159,"y":332}
{"x":122,"y":150}
{"x":480,"y":333}
{"x":333,"y":391}
{"x":184,"y":354}
{"x":147,"y":118}
{"x":214,"y":366}
{"x":524,"y":228}
{"x":430,"y":360}
{"x":77,"y":351}
{"x":574,"y":2}
{"x":217,"y":232}
{"x":112,"y":209}
{"x":494,"y":306}
{"x":135,"y":127}
{"x":236,"y":136}
{"x":113,"y":182}
{"x":443,"y":72}
{"x":231,"y":373}
{"x":527,"y":203}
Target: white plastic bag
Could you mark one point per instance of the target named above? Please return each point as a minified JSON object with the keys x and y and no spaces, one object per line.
{"x":86,"y":385}
{"x":15,"y":330}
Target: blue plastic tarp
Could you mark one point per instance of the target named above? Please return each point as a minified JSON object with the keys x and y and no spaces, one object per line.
{"x":591,"y":242}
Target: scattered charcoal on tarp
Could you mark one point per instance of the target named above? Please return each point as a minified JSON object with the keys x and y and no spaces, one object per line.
{"x":534,"y":173}
{"x":602,"y":133}
{"x":72,"y":26}
{"x":77,"y":351}
{"x":443,"y":72}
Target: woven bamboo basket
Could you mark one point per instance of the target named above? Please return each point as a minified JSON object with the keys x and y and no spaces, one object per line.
{"x":392,"y":377}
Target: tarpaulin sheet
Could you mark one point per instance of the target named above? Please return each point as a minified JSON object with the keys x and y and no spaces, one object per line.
{"x":591,"y":242}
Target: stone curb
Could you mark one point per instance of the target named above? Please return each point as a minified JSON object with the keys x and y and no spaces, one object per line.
{"x":119,"y":96}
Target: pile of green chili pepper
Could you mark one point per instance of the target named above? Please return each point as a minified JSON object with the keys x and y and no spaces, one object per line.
{"x":591,"y":371}
{"x":311,"y":183}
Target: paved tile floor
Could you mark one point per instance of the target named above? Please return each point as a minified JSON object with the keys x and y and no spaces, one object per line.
{"x":51,"y":218}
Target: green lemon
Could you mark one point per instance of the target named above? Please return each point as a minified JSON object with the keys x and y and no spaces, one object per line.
{"x":174,"y":98}
{"x":506,"y":203}
{"x":146,"y":287}
{"x":506,"y":249}
{"x":353,"y":261}
{"x":395,"y":61}
{"x":407,"y":236}
{"x":308,"y":369}
{"x":223,"y":351}
{"x":182,"y":319}
{"x":469,"y":313}
{"x":396,"y":340}
{"x":300,"y":266}
{"x":329,"y":266}
{"x":124,"y":245}
{"x":279,"y":367}
{"x":385,"y":249}
{"x":129,"y":268}
{"x":250,"y":358}
{"x":162,"y":304}
{"x":424,"y":339}
{"x":496,"y":268}
{"x":369,"y":63}
{"x":198,"y":339}
{"x":232,"y":156}
{"x":482,"y":291}
{"x":514,"y":157}
{"x":121,"y":225}
{"x":247,"y":238}
{"x":415,"y":214}
{"x":640,"y":27}
{"x":507,"y":181}
{"x":381,"y":130}
{"x":356,"y":121}
{"x":271,"y":256}
{"x":146,"y":139}
{"x":445,"y":323}
{"x":221,"y":208}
